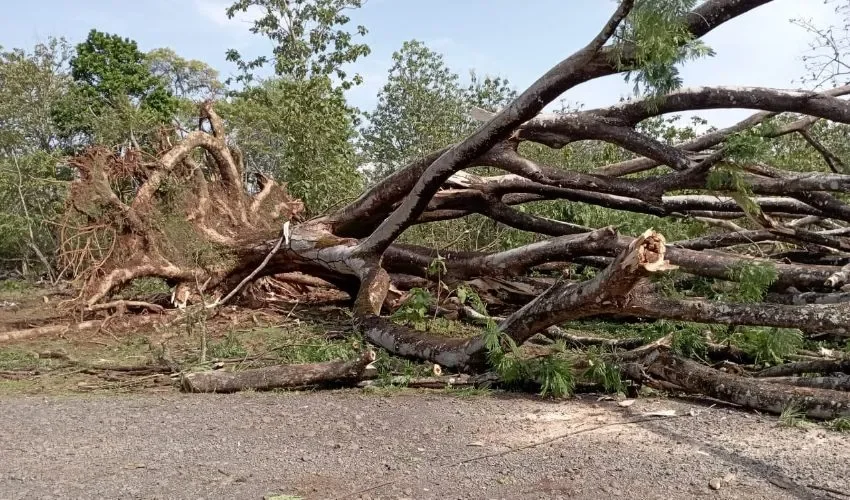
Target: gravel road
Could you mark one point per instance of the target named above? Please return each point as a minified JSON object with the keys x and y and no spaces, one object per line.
{"x":347,"y":444}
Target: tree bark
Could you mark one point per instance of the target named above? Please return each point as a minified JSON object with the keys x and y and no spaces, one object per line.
{"x":749,"y":393}
{"x":279,"y":377}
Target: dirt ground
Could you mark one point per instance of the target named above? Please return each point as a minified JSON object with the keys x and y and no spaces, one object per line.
{"x":347,"y":444}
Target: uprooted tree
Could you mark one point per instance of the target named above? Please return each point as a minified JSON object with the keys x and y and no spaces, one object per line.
{"x":192,"y":216}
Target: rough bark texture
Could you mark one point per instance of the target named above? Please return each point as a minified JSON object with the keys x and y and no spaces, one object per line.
{"x":749,"y":393}
{"x":279,"y":377}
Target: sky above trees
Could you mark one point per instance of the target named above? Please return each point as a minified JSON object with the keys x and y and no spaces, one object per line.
{"x":493,"y":37}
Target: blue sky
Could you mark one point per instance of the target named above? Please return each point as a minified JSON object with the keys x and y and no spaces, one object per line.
{"x":517,"y":40}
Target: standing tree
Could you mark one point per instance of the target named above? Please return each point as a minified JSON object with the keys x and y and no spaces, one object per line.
{"x":115,"y":97}
{"x":298,"y":132}
{"x":308,"y":37}
{"x":297,"y":126}
{"x":423,"y":107}
{"x":185,"y":79}
{"x":31,"y":192}
{"x":712,"y":177}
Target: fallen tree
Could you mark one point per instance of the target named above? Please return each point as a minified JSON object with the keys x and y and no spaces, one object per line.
{"x":219,"y":228}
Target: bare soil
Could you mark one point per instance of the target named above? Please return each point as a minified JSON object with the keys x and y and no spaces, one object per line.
{"x":346,"y":444}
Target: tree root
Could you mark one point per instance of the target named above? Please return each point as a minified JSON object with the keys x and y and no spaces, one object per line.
{"x":122,"y":305}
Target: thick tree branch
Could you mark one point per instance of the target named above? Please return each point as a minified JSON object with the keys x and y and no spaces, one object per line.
{"x":562,"y":77}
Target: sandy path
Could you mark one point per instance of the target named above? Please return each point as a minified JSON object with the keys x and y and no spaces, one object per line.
{"x":331,"y":444}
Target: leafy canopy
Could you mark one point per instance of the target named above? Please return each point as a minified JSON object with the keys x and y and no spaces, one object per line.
{"x":655,"y":31}
{"x":308,"y":36}
{"x":115,"y":97}
{"x":424,"y":107}
{"x":109,"y":68}
{"x":300,"y":133}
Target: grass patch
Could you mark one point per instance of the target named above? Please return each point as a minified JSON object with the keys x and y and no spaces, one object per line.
{"x":13,"y":288}
{"x":839,"y":425}
{"x":228,"y":347}
{"x":449,"y":328}
{"x":792,"y":416}
{"x":24,"y":386}
{"x":468,"y":392}
{"x":317,"y":350}
{"x":16,"y":359}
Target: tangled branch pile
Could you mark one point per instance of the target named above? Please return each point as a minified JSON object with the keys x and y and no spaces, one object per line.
{"x":777,"y":237}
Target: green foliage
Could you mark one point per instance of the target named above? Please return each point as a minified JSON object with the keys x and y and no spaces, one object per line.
{"x":300,"y":133}
{"x":754,"y":279}
{"x":666,"y":129}
{"x":731,"y":181}
{"x":604,"y":373}
{"x":690,"y":343}
{"x":188,"y":80}
{"x":115,"y":97}
{"x":13,"y":287}
{"x":660,"y":39}
{"x":839,"y":425}
{"x":31,"y":81}
{"x":792,"y":152}
{"x":770,"y":345}
{"x":466,"y":295}
{"x":107,"y":66}
{"x":32,"y":186}
{"x":793,"y":416}
{"x":228,"y":347}
{"x":424,"y":107}
{"x":468,"y":392}
{"x":317,"y":350}
{"x":16,"y":359}
{"x":414,"y":310}
{"x":553,"y":373}
{"x":437,"y":266}
{"x":31,"y":199}
{"x":308,"y":37}
{"x":625,"y":222}
{"x":184,"y":78}
{"x":727,"y":178}
{"x":391,"y":367}
{"x":752,"y":144}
